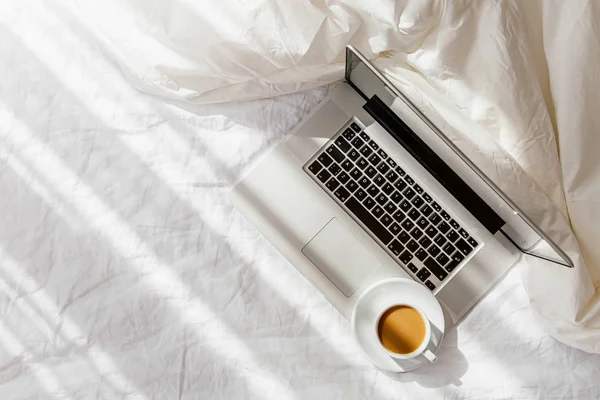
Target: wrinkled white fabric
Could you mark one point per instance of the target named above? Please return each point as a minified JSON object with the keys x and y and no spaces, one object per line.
{"x":125,"y":273}
{"x":519,"y":72}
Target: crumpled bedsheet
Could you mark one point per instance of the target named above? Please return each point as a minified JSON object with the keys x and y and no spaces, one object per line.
{"x":126,"y":273}
{"x":511,"y":82}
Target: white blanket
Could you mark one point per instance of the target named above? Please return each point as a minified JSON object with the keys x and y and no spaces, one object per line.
{"x":513,"y":83}
{"x":126,"y":273}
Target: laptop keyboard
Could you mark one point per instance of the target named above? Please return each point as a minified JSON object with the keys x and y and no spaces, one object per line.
{"x":405,"y":219}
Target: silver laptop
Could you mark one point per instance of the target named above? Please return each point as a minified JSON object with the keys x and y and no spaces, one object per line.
{"x":367,"y":188}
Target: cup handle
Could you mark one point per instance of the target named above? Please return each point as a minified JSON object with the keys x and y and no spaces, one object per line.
{"x":430,"y":356}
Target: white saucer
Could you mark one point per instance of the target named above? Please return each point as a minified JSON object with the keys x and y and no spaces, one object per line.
{"x":382,"y":295}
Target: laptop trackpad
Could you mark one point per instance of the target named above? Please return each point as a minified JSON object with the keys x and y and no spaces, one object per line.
{"x":341,"y":257}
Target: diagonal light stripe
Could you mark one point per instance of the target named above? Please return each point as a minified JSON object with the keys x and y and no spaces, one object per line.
{"x":152,"y":271}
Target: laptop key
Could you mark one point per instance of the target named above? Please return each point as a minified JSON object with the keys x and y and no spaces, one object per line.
{"x":442,"y":259}
{"x":373,"y":190}
{"x":454,"y":224}
{"x":370,"y":171}
{"x":369,"y":203}
{"x":343,"y":177}
{"x":325,"y":159}
{"x":374,"y":159}
{"x":381,"y":199}
{"x":332,"y":184}
{"x":452,"y":236}
{"x":435,"y":268}
{"x":377,"y":211}
{"x":427,"y":197}
{"x":382,"y":154}
{"x":400,"y":185}
{"x":357,"y":143}
{"x":373,"y":145}
{"x":409,"y":180}
{"x":334,"y":153}
{"x":334,"y":169}
{"x":315,"y":167}
{"x":406,"y":257}
{"x":426,"y":210}
{"x":391,"y":162}
{"x":379,"y":180}
{"x":364,"y":182}
{"x":396,"y":197}
{"x":362,"y":163}
{"x":352,"y":186}
{"x":412,"y":268}
{"x":342,"y":194}
{"x":454,"y":261}
{"x":431,"y":231}
{"x":417,"y":202}
{"x":412,"y":245}
{"x":395,"y":228}
{"x":353,"y":154}
{"x":399,"y":216}
{"x":400,"y":171}
{"x":408,"y":224}
{"x":472,"y":242}
{"x":430,"y":285}
{"x":356,"y":174}
{"x":425,"y":242}
{"x":434,"y":250}
{"x":463,"y":247}
{"x":422,"y":223}
{"x":391,"y":176}
{"x":436,"y":206}
{"x":386,"y":220}
{"x":443,"y":227}
{"x":405,"y":205}
{"x":445,"y":215}
{"x":423,"y":274}
{"x":449,"y":249}
{"x":396,"y":247}
{"x":439,"y":240}
{"x":367,"y":219}
{"x":355,"y":126}
{"x":390,"y":207}
{"x":418,"y":189}
{"x":366,"y":151}
{"x":364,"y":136}
{"x":416,"y":233}
{"x":463,"y":233}
{"x":413,"y":214}
{"x":403,"y":237}
{"x":347,"y":165}
{"x":383,"y":168}
{"x":421,"y":254}
{"x":349,"y":134}
{"x":360,"y":194}
{"x":323,"y":176}
{"x":387,"y":188}
{"x":435,"y":219}
{"x":409,"y":193}
{"x":342,"y":144}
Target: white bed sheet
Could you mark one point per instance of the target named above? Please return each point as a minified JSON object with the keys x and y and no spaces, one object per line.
{"x":126,"y":273}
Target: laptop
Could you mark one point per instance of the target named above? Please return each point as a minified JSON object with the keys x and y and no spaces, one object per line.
{"x":368,"y":188}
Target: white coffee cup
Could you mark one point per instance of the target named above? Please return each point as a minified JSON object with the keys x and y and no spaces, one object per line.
{"x":422,"y":349}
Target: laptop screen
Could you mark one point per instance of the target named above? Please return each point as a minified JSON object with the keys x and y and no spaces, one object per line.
{"x":368,"y":84}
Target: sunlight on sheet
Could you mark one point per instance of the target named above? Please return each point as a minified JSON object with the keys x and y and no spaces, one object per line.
{"x":49,"y":319}
{"x":151,"y":270}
